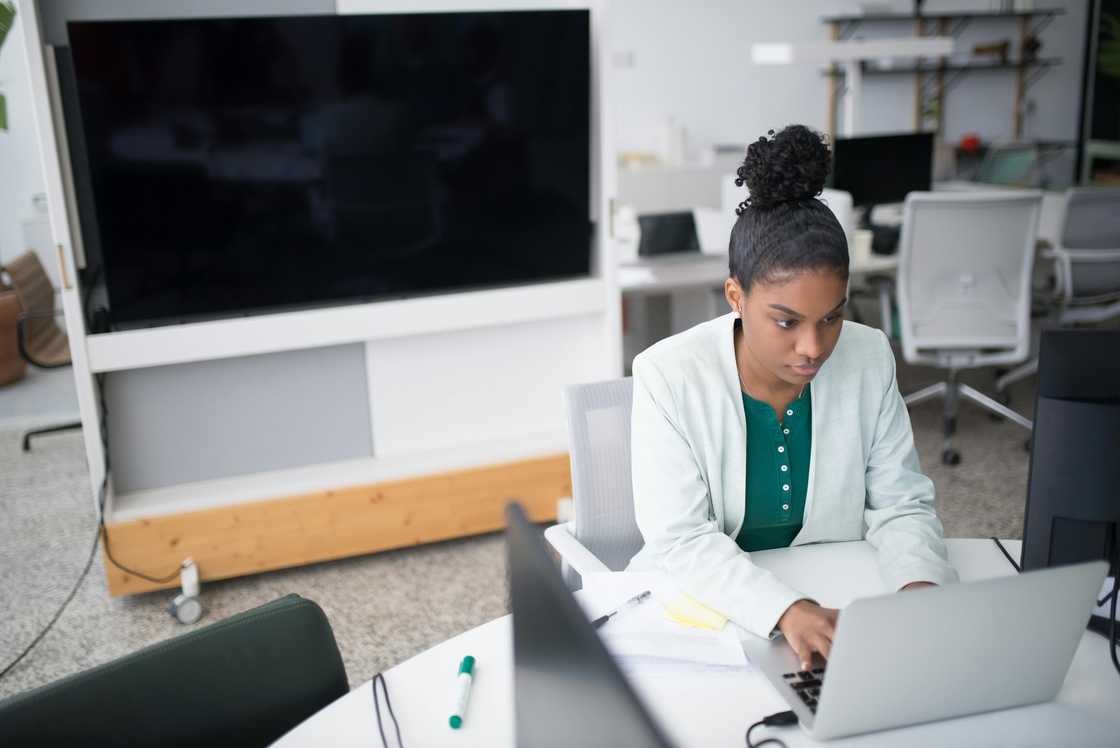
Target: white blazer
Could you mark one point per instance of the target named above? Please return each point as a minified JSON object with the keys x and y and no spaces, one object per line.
{"x":689,"y":448}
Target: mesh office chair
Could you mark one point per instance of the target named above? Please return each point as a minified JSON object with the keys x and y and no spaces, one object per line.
{"x":964,"y":274}
{"x":1086,"y":264}
{"x":604,"y":535}
{"x":246,"y":680}
{"x":41,"y":341}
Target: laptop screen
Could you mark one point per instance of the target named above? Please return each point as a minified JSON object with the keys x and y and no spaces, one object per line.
{"x":568,"y":689}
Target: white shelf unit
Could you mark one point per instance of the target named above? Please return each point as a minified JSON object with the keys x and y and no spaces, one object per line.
{"x":501,"y":357}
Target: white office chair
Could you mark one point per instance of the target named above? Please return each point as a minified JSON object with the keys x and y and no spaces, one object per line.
{"x":840,"y":203}
{"x":964,"y":274}
{"x":1086,"y":264}
{"x":604,"y":535}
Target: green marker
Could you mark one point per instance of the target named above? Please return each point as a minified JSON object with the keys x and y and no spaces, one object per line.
{"x":462,"y":692}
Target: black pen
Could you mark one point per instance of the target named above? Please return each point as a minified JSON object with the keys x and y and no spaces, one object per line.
{"x":635,"y":600}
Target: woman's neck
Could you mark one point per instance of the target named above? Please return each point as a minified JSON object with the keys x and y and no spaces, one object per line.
{"x":756,"y":380}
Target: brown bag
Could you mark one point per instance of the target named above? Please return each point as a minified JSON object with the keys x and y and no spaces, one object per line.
{"x":12,"y":365}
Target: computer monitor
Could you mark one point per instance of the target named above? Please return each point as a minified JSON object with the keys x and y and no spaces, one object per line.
{"x":568,"y":690}
{"x":1073,"y":489}
{"x":882,"y":168}
{"x":667,"y":233}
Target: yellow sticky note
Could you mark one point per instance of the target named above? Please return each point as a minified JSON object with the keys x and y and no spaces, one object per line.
{"x":688,"y":612}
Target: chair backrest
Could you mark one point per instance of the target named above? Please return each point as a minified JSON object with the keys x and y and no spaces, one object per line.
{"x":840,"y":203}
{"x":602,"y":493}
{"x":33,"y":287}
{"x":1092,"y":222}
{"x":965,"y":263}
{"x":245,"y":680}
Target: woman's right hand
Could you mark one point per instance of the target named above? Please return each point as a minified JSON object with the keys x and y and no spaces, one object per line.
{"x":809,"y":628}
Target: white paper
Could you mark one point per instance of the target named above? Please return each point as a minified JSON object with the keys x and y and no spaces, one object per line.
{"x":644,"y":636}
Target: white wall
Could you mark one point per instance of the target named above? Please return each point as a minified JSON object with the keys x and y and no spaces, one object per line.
{"x":691,"y":61}
{"x":21,"y":175}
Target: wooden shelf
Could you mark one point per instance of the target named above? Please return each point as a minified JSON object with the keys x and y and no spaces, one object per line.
{"x":949,"y":67}
{"x":887,"y":17}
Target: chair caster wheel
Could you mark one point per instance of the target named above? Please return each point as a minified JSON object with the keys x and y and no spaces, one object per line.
{"x":950,"y":457}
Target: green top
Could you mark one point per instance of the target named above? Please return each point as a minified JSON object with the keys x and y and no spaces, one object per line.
{"x":777,"y":472}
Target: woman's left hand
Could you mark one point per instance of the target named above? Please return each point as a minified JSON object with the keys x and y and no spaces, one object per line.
{"x":917,"y":585}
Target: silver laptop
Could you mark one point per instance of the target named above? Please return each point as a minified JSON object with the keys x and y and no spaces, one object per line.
{"x":935,"y":653}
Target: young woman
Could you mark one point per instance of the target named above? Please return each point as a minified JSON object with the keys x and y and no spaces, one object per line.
{"x":780,"y":423}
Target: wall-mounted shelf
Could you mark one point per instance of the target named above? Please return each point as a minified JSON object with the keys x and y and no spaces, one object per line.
{"x":849,"y":23}
{"x":870,"y":69}
{"x":930,"y":77}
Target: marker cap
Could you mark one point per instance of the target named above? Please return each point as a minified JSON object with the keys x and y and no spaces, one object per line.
{"x":467,"y":665}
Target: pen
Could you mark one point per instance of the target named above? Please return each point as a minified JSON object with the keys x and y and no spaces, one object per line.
{"x":635,"y":600}
{"x":462,"y":692}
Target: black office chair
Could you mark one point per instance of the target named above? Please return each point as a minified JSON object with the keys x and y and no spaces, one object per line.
{"x":243,"y":681}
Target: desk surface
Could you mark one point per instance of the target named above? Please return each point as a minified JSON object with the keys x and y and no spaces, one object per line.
{"x":709,"y":709}
{"x":688,"y":269}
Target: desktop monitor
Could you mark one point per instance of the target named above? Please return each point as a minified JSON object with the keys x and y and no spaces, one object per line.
{"x":882,"y":168}
{"x":235,"y":166}
{"x":568,"y":689}
{"x":1073,"y":504}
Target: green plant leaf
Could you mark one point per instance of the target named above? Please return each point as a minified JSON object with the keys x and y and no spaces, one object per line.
{"x":7,"y":18}
{"x":3,"y":113}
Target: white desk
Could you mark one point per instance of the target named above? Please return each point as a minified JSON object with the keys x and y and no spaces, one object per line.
{"x":715,"y":710}
{"x":693,"y":271}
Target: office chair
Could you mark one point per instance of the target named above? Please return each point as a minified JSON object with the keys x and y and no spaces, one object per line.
{"x":41,"y":341}
{"x":12,"y":365}
{"x":964,"y":275}
{"x":246,"y":680}
{"x":604,"y":535}
{"x":1086,"y":264}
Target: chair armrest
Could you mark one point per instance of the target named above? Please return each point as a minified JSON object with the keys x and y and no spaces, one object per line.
{"x":563,"y":540}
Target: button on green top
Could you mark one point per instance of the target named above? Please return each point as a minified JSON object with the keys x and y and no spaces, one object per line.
{"x":777,"y":472}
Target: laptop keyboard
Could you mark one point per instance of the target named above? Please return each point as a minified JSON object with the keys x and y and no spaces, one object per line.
{"x":807,"y":685}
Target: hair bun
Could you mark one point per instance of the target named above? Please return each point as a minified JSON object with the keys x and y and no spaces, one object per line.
{"x":788,"y":167}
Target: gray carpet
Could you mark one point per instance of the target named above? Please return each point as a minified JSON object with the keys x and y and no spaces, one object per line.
{"x":383,"y":608}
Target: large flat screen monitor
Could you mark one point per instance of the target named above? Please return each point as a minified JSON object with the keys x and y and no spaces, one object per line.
{"x":240,"y":165}
{"x":883,"y":168}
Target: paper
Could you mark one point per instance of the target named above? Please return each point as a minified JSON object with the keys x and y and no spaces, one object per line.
{"x":646,"y":636}
{"x":686,"y":611}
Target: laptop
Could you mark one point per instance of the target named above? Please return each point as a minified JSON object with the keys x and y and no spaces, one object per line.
{"x":568,"y":690}
{"x":938,"y":652}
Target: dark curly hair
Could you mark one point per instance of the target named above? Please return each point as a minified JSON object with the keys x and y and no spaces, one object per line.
{"x":783,"y":228}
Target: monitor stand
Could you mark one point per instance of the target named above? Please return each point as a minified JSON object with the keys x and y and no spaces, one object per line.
{"x":884,"y":239}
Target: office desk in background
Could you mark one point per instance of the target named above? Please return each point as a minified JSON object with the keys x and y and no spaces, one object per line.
{"x":706,"y":709}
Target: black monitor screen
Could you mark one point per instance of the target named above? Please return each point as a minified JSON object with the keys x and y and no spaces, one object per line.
{"x":1073,"y":507}
{"x":245,"y":164}
{"x":883,"y":168}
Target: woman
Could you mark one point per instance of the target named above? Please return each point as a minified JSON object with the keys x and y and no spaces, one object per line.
{"x":780,"y":423}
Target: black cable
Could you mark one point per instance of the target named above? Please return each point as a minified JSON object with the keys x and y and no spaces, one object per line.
{"x":102,"y":531}
{"x":1006,"y":554}
{"x":1112,"y":632}
{"x":102,"y":534}
{"x":57,"y":615}
{"x":778,"y":719}
{"x":389,"y":705}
